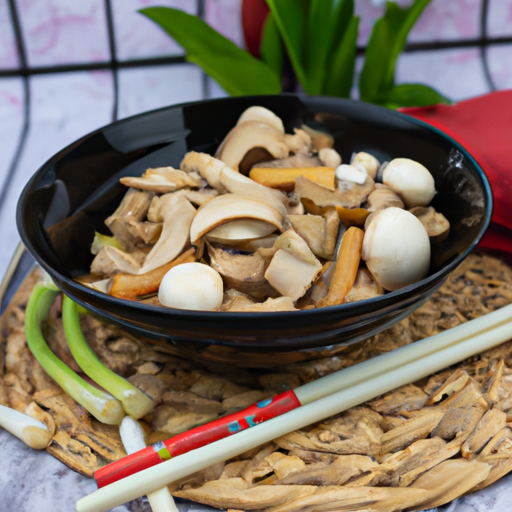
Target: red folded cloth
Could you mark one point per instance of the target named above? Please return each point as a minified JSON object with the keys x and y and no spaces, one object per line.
{"x":483,"y":125}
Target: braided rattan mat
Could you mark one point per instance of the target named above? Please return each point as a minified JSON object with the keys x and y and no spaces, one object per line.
{"x":412,"y":449}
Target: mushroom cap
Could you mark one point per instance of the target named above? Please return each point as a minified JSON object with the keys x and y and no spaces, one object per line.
{"x":191,"y":286}
{"x":396,"y":249}
{"x":263,"y":115}
{"x":246,"y":136}
{"x":410,"y":180}
{"x":229,"y":207}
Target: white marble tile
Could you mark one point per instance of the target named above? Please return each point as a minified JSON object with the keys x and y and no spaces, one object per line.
{"x":499,"y":21}
{"x":8,"y":51}
{"x":441,"y":20}
{"x":11,"y":121}
{"x":64,"y":107}
{"x":137,"y":36}
{"x":225,"y":17}
{"x":148,"y":88}
{"x":60,"y":31}
{"x":457,"y":73}
{"x":500,"y":65}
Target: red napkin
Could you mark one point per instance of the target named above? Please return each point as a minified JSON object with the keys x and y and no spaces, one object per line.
{"x":483,"y":125}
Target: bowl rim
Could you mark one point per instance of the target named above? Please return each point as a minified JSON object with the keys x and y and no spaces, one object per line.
{"x":346,"y":308}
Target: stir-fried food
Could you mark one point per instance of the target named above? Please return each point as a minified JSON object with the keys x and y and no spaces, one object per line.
{"x":268,"y":215}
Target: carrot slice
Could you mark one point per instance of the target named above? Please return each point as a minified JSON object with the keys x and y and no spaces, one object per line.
{"x":345,"y":269}
{"x":284,"y":178}
{"x":131,"y":286}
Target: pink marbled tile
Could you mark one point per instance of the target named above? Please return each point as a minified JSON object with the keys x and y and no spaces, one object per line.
{"x":8,"y":51}
{"x":442,"y":20}
{"x":60,"y":31}
{"x":225,"y":17}
{"x":148,"y":88}
{"x":12,"y":111}
{"x":137,"y":36}
{"x":500,"y":65}
{"x":499,"y":21}
{"x":457,"y":73}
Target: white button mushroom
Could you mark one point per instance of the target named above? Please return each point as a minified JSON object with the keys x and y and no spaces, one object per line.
{"x":396,"y":249}
{"x":410,"y":180}
{"x":191,"y":286}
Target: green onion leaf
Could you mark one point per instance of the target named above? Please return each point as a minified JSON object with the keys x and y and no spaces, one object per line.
{"x":235,"y":70}
{"x":135,"y":402}
{"x":101,"y":405}
{"x":386,"y":42}
{"x":271,"y":47}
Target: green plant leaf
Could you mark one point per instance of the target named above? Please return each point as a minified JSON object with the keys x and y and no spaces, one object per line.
{"x":413,"y":95}
{"x":291,"y":21}
{"x":340,"y":77}
{"x":386,"y":42}
{"x":236,"y":71}
{"x":271,"y":48}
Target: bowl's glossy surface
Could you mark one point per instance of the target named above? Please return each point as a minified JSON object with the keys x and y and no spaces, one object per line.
{"x":70,"y":196}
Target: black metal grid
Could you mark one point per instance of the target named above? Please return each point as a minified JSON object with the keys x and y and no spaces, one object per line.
{"x":24,"y":71}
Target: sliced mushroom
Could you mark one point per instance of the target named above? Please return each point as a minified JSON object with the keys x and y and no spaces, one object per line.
{"x":347,"y":195}
{"x":329,"y":157}
{"x":299,"y":143}
{"x":436,"y":224}
{"x":228,"y":207}
{"x":197,"y":197}
{"x":133,"y":207}
{"x":271,"y":304}
{"x":242,"y":272}
{"x":261,"y":114}
{"x":367,"y":162}
{"x":383,"y":197}
{"x":293,"y":161}
{"x":294,"y":267}
{"x":319,"y":232}
{"x":237,"y":183}
{"x":246,"y":136}
{"x":162,"y":180}
{"x":320,"y":139}
{"x":355,"y":194}
{"x":149,"y":232}
{"x":177,"y":220}
{"x":110,"y":261}
{"x":365,"y":287}
{"x":206,"y":166}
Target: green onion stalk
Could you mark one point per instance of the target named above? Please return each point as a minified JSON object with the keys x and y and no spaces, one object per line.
{"x":135,"y":402}
{"x":103,"y":406}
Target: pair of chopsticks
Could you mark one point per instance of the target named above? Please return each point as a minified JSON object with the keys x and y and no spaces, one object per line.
{"x":320,"y":399}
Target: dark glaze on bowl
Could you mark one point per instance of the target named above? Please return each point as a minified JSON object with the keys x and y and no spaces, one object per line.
{"x":70,"y":196}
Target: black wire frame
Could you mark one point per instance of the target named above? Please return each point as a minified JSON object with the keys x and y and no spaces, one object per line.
{"x":25,"y":71}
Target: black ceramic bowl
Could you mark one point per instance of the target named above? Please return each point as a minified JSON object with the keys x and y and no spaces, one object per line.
{"x":70,"y":196}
